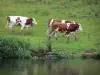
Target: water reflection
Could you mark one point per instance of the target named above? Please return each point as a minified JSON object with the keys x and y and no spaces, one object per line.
{"x":50,"y":67}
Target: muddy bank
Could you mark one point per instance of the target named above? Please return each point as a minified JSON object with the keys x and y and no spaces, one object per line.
{"x":91,"y":55}
{"x":65,"y":55}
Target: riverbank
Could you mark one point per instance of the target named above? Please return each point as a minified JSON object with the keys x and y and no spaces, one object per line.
{"x":16,"y":48}
{"x":68,"y":55}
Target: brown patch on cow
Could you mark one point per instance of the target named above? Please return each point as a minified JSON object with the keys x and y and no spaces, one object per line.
{"x":18,"y":20}
{"x":8,"y":18}
{"x":28,"y":21}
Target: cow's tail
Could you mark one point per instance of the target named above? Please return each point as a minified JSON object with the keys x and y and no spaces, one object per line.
{"x":8,"y":20}
{"x":49,"y":26}
{"x":50,"y":22}
{"x":49,"y":30}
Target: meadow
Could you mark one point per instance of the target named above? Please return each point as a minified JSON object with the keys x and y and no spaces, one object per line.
{"x":86,"y":12}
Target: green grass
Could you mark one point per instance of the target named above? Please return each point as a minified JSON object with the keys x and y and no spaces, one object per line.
{"x":85,"y":12}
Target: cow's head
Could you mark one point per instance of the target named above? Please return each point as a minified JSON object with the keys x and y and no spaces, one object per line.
{"x":79,"y":28}
{"x":33,"y":22}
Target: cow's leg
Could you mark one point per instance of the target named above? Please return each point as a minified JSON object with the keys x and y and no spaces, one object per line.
{"x":68,"y":34}
{"x":68,"y":38}
{"x":21,"y":28}
{"x":52,"y":33}
{"x":55,"y":33}
{"x":48,"y":36}
{"x":10,"y":27}
{"x":64,"y":33}
{"x":74,"y":36}
{"x":48,"y":33}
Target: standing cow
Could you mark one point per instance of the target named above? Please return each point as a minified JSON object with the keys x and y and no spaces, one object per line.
{"x":20,"y":20}
{"x":66,"y":27}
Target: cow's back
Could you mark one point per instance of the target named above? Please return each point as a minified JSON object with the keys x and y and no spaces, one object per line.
{"x":13,"y":18}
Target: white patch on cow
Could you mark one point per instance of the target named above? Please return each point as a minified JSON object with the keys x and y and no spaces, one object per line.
{"x":63,"y":21}
{"x":51,"y":22}
{"x":68,"y":24}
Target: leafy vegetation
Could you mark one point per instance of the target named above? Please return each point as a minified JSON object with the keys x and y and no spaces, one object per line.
{"x":11,"y":47}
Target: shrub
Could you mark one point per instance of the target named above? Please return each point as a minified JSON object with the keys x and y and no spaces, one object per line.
{"x":12,"y":47}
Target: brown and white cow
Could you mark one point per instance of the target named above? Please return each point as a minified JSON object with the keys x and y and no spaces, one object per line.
{"x":63,"y":26}
{"x":20,"y":20}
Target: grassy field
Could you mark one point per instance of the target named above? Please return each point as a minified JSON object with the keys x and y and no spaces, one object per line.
{"x":86,"y":12}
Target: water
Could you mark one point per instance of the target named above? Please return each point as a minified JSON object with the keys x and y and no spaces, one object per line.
{"x":48,"y":67}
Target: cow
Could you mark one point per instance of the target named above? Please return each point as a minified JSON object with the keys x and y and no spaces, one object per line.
{"x":20,"y":21}
{"x":63,"y":26}
{"x":52,"y":22}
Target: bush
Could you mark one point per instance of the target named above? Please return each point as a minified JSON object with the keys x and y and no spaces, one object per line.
{"x":12,"y":47}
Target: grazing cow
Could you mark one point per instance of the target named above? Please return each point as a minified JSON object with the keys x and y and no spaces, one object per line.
{"x":63,"y":26}
{"x":20,"y":20}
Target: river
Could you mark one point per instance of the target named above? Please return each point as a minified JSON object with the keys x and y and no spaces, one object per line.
{"x":50,"y":67}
